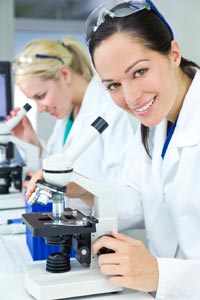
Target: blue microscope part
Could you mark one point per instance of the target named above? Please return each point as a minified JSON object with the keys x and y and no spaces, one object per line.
{"x":14,"y":221}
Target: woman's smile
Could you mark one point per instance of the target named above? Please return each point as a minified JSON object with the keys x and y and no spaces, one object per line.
{"x":145,"y":108}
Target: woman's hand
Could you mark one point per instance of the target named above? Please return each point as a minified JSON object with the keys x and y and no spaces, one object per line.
{"x":24,"y":130}
{"x":27,"y":179}
{"x":131,"y":266}
{"x":76,"y":191}
{"x":32,"y":183}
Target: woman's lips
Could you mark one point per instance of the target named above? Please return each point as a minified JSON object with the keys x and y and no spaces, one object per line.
{"x":52,"y":111}
{"x":145,"y":107}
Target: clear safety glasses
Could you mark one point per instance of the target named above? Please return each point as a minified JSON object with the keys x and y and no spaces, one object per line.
{"x":22,"y":61}
{"x":117,"y":9}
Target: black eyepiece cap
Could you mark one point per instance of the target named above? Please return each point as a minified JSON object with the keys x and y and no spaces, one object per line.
{"x":27,"y":107}
{"x":100,"y":124}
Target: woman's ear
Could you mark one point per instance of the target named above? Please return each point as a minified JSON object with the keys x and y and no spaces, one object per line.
{"x":175,"y":53}
{"x":66,"y":73}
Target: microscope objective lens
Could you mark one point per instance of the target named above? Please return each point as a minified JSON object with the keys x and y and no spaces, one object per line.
{"x":44,"y":197}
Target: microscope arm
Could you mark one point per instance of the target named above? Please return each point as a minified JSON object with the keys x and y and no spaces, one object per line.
{"x":101,"y":191}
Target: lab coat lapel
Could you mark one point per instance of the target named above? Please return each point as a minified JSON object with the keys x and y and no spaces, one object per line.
{"x":158,"y":142}
{"x":186,"y":133}
{"x":161,"y":227}
{"x":171,"y":157}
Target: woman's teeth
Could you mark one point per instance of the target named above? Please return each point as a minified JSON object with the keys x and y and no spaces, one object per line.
{"x":144,"y":108}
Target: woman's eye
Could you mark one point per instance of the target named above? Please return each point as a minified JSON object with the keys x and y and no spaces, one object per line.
{"x":140,"y":72}
{"x":113,"y":86}
{"x":40,"y":97}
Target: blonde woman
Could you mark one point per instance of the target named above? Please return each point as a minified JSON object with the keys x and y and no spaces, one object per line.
{"x":59,"y":78}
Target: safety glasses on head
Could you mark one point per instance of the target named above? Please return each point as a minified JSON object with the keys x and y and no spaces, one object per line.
{"x":22,"y":61}
{"x":118,"y":9}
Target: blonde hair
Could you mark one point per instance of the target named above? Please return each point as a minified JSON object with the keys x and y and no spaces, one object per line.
{"x":67,"y":51}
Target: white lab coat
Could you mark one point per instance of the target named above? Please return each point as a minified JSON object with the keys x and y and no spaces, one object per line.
{"x":165,"y":198}
{"x":104,"y":159}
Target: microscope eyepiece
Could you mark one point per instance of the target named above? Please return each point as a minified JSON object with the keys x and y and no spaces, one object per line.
{"x":21,"y":113}
{"x":100,"y":124}
{"x":27,"y":107}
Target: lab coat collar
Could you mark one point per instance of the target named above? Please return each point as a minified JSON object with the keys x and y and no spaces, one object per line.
{"x":92,"y":97}
{"x":89,"y":108}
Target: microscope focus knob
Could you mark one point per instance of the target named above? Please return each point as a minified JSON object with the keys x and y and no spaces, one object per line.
{"x":105,"y":250}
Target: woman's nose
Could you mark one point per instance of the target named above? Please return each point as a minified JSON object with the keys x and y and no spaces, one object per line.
{"x":132,"y":93}
{"x":41,"y":107}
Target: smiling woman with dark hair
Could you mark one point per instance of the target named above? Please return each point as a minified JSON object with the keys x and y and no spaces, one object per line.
{"x":139,"y":62}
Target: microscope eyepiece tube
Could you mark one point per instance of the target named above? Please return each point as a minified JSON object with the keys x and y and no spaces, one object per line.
{"x":15,"y":120}
{"x":87,"y":138}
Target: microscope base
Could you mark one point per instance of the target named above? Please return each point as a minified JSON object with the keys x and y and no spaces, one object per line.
{"x":79,"y":281}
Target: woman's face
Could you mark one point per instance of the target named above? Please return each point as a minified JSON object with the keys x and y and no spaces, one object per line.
{"x":52,"y":96}
{"x":141,"y":81}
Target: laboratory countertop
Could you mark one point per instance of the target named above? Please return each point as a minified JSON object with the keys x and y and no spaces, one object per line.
{"x":15,"y":256}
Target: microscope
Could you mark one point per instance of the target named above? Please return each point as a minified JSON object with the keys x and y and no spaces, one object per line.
{"x":11,"y":172}
{"x":61,"y":277}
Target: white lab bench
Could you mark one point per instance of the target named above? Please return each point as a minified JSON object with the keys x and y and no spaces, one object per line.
{"x":15,"y":256}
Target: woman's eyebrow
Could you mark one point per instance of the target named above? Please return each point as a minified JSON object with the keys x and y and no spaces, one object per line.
{"x":106,"y":80}
{"x":37,"y":94}
{"x":128,"y":69}
{"x":134,"y":64}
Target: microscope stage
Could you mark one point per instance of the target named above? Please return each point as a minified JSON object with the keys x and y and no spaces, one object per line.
{"x":79,"y":281}
{"x":42,"y":224}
